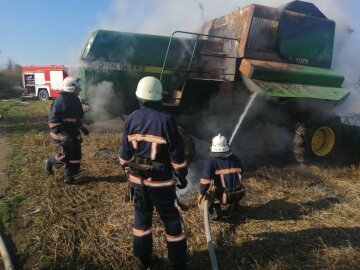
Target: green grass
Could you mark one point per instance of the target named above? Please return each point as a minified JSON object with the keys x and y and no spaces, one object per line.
{"x":6,"y":203}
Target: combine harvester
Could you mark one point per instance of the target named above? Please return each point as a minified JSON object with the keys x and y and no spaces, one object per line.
{"x":260,"y":75}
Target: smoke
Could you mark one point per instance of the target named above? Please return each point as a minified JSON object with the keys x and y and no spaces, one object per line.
{"x":101,"y":97}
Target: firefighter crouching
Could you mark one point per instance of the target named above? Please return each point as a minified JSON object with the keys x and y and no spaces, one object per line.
{"x":153,"y":151}
{"x":65,"y":118}
{"x":221,"y":178}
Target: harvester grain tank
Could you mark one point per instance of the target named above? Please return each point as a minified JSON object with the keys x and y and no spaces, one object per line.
{"x":279,"y":57}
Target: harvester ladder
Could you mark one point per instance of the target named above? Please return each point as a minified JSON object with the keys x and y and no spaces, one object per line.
{"x":177,"y":93}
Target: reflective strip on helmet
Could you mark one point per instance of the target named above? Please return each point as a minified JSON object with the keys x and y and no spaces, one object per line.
{"x":177,"y":166}
{"x":147,"y":138}
{"x":176,"y":238}
{"x":151,"y":183}
{"x":205,"y":181}
{"x":228,"y":171}
{"x":70,"y":120}
{"x":52,"y":125}
{"x":141,"y":233}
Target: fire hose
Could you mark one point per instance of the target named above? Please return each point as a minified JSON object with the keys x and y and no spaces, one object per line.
{"x":210,"y":244}
{"x":5,"y":255}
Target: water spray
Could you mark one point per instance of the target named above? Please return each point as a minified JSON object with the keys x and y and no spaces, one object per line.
{"x":242,"y":116}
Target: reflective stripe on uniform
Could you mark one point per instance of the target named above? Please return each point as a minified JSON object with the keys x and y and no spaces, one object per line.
{"x":147,"y":138}
{"x":176,"y":238}
{"x":52,"y":125}
{"x":228,"y":171}
{"x":177,"y":166}
{"x":205,"y":181}
{"x":141,"y":233}
{"x":60,"y":137}
{"x":55,"y":136}
{"x":75,"y":161}
{"x":123,"y":161}
{"x":70,"y":120}
{"x":151,"y":183}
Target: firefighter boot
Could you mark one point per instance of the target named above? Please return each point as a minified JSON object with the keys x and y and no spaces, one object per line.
{"x":148,"y":263}
{"x":68,"y":178}
{"x":48,"y":167}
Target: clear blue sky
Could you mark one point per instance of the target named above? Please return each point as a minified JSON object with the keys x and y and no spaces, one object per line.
{"x":45,"y":31}
{"x":34,"y":32}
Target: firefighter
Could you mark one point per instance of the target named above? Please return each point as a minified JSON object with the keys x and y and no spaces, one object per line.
{"x":153,"y":151}
{"x":65,"y":124}
{"x":221,"y":177}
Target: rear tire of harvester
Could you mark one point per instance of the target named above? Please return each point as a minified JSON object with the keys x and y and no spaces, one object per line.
{"x":43,"y":95}
{"x":188,"y":144}
{"x":319,"y":141}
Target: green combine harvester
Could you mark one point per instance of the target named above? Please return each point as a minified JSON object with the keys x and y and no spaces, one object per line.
{"x":260,"y":75}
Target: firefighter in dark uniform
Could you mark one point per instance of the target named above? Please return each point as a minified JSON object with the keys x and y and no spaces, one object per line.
{"x":221,"y":175}
{"x":65,"y":118}
{"x":153,"y":151}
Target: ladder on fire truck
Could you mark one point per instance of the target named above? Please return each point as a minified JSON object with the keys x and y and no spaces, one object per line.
{"x":202,"y":57}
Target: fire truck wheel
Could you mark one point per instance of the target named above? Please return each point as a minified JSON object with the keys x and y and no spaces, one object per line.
{"x":43,"y":94}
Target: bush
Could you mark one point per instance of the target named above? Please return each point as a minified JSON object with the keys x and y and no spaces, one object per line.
{"x":10,"y":83}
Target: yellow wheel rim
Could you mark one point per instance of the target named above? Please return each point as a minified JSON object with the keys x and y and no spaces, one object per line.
{"x":323,"y":141}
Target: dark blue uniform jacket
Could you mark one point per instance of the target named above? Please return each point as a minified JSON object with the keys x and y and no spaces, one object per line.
{"x":152,"y":133}
{"x":221,"y":172}
{"x":65,"y":115}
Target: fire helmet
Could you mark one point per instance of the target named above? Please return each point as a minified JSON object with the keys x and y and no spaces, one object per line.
{"x":219,"y":144}
{"x":149,"y":89}
{"x":71,"y":83}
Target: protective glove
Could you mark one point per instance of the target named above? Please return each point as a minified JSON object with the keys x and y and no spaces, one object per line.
{"x":84,"y":130}
{"x":183,"y":182}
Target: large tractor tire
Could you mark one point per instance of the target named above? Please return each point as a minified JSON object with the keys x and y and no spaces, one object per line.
{"x":318,"y":141}
{"x":188,"y":144}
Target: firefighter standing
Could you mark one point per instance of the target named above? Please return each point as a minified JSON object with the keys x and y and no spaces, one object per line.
{"x":222,"y":174}
{"x":65,"y":118}
{"x":153,"y":151}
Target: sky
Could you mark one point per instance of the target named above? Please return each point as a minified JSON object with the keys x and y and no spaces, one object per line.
{"x":35,"y":32}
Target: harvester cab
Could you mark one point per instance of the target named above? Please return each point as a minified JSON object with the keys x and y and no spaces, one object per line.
{"x":262,"y":71}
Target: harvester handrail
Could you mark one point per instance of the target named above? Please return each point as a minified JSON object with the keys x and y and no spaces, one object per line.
{"x":198,"y":35}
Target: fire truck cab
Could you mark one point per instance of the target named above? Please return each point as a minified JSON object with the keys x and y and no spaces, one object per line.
{"x":43,"y":82}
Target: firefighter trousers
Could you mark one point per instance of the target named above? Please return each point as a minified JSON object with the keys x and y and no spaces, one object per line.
{"x":165,"y":202}
{"x":68,"y":156}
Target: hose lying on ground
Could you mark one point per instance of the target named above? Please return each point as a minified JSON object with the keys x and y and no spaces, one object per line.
{"x":5,"y":255}
{"x":210,"y":244}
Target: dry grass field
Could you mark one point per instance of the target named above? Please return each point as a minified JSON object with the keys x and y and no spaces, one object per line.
{"x":296,"y":217}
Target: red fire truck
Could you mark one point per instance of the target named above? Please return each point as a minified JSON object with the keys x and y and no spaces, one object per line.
{"x":43,"y":82}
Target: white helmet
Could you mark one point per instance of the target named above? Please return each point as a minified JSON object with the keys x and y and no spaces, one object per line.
{"x":70,"y":84}
{"x":219,"y":144}
{"x":149,"y":89}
